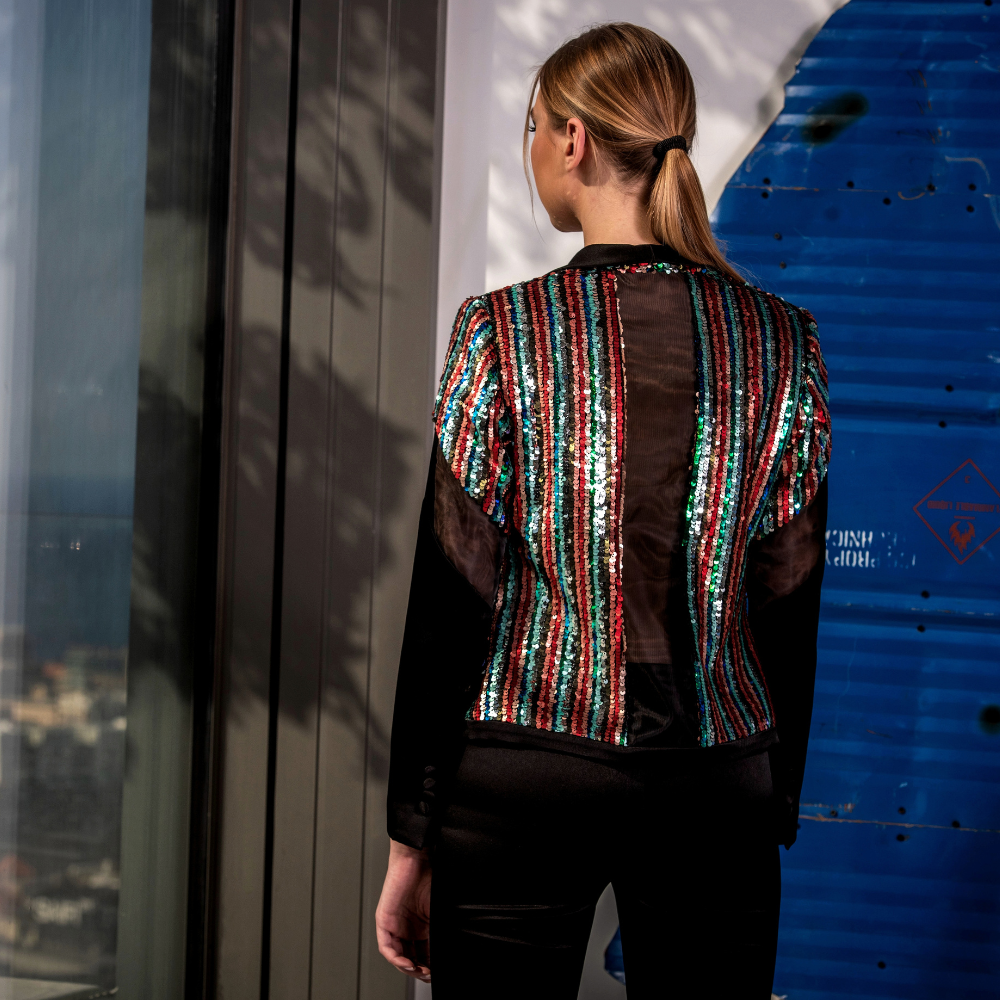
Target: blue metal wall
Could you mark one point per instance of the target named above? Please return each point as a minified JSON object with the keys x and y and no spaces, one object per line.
{"x":873,"y":201}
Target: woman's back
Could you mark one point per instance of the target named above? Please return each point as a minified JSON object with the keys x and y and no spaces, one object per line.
{"x":728,"y":429}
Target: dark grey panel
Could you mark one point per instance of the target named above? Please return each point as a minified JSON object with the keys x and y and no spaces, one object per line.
{"x":360,"y":393}
{"x":351,"y":520}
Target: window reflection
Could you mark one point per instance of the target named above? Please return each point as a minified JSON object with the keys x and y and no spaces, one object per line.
{"x":77,"y":76}
{"x":102,"y":274}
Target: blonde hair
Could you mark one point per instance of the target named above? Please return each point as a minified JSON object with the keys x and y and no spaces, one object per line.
{"x":631,"y":89}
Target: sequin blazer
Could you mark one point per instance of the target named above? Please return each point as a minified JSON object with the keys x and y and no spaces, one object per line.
{"x":530,"y":419}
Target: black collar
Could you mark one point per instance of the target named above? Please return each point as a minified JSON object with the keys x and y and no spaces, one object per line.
{"x":619,"y":254}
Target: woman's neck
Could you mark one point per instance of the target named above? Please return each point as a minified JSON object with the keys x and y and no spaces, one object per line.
{"x":609,"y":213}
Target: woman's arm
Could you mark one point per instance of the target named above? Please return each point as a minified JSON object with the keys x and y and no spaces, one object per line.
{"x":784,"y":575}
{"x":444,"y":646}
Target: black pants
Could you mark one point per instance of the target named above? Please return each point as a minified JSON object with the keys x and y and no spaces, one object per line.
{"x":530,"y":839}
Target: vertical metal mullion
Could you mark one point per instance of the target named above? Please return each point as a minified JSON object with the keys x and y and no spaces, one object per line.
{"x":199,"y":951}
{"x":390,"y":28}
{"x":274,"y":681}
{"x":307,"y":482}
{"x":250,"y":497}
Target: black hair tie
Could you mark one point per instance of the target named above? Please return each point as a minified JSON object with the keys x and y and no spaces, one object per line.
{"x":661,"y":149}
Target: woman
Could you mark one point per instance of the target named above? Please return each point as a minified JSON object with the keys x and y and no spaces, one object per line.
{"x":608,"y":663}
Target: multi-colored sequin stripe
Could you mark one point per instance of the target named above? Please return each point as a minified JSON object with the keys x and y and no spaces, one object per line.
{"x":804,"y":460}
{"x":761,"y":395}
{"x":556,"y":650}
{"x":470,"y":414}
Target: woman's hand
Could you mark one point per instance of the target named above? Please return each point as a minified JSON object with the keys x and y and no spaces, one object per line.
{"x":403,"y":915}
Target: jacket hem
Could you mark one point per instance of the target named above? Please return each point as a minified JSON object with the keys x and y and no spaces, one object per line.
{"x":510,"y":733}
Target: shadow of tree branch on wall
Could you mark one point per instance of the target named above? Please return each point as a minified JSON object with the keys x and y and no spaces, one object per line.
{"x":349,"y":529}
{"x":345,"y":133}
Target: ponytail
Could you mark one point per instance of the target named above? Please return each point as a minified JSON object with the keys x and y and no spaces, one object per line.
{"x":632,"y":90}
{"x":679,"y":218}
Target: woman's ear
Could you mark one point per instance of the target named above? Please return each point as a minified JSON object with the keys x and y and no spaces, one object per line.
{"x":574,"y":144}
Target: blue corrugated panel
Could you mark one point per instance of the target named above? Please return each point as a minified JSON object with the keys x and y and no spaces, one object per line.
{"x":872,"y":201}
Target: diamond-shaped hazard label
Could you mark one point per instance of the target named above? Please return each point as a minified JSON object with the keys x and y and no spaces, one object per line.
{"x":963,"y":511}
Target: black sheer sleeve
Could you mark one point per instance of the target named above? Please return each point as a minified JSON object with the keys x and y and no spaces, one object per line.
{"x":444,"y":646}
{"x":784,"y":575}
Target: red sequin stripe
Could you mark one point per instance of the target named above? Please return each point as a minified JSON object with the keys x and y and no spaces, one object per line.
{"x":791,"y":376}
{"x":588,"y":361}
{"x":615,"y":725}
{"x":762,"y":440}
{"x":548,"y":477}
{"x":753,"y":387}
{"x":507,"y":364}
{"x":580,"y":358}
{"x":754,"y":474}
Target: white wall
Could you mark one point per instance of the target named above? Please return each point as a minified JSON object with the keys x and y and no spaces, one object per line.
{"x":741,"y":53}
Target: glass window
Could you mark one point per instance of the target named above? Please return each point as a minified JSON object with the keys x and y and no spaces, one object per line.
{"x":106,"y":146}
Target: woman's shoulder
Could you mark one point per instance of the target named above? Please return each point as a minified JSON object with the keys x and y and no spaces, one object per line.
{"x":542,"y":284}
{"x":770,"y":302}
{"x":516,"y":302}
